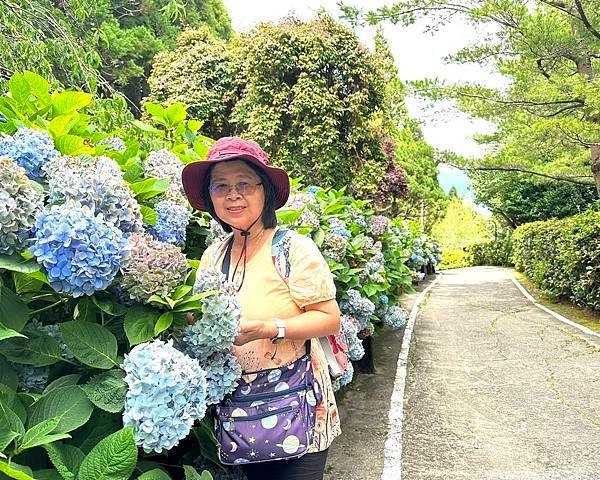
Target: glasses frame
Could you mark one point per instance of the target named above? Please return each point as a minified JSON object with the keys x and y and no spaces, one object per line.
{"x":232,"y":186}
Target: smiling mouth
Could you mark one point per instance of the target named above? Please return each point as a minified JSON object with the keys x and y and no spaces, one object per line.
{"x":235,"y":209}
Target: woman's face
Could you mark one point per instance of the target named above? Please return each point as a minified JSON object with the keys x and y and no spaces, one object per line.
{"x":236,"y":209}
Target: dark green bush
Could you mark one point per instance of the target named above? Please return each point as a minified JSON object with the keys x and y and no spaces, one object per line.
{"x":495,"y":252}
{"x":562,"y":257}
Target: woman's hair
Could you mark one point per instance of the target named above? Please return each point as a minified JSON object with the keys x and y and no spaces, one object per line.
{"x":269,"y":219}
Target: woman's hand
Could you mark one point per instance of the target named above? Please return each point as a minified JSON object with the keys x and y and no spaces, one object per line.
{"x":252,"y":330}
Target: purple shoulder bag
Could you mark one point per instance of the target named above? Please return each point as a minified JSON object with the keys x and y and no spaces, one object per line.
{"x":270,"y":417}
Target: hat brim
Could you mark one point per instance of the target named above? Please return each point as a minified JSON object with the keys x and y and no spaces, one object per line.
{"x":194,"y":173}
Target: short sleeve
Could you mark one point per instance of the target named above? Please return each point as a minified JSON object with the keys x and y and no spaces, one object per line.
{"x":206,"y":260}
{"x":310,"y":279}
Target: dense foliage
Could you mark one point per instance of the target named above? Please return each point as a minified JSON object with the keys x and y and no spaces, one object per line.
{"x":106,"y":45}
{"x":520,"y":198}
{"x":96,"y":354}
{"x":562,"y":257}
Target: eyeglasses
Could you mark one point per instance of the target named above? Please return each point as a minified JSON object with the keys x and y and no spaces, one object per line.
{"x":243,"y":188}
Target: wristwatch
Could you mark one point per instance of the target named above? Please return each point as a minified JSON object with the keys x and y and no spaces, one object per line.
{"x":280,"y":324}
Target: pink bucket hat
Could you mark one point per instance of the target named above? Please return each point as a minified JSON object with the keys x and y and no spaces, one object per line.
{"x":228,"y":148}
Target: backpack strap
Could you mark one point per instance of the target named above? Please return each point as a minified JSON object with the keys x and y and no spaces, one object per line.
{"x":280,"y":252}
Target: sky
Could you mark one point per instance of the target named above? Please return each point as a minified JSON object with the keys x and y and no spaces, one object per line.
{"x":418,"y":55}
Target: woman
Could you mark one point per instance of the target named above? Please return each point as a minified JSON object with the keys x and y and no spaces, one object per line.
{"x":239,"y":189}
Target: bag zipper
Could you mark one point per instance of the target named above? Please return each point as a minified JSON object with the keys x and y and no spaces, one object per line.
{"x":260,"y":396}
{"x":261,"y":415}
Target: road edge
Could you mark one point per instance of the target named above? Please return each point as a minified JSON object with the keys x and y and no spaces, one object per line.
{"x":392,"y":463}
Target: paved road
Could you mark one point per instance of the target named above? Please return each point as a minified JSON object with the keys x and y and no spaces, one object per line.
{"x":498,"y":389}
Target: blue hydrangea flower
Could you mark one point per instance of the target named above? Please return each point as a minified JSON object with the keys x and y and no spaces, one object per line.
{"x":208,"y":279}
{"x":395,"y":317}
{"x":216,"y":329}
{"x":31,"y":149}
{"x":165,"y":164}
{"x":337,"y":227}
{"x":215,"y":233}
{"x":374,"y":269}
{"x":79,"y":252}
{"x":384,"y":299}
{"x":356,"y":350}
{"x":359,"y":307}
{"x":348,"y":328}
{"x":171,"y":222}
{"x":345,"y":379}
{"x":32,"y":379}
{"x":166,"y":394}
{"x":222,"y":374}
{"x":96,"y":182}
{"x":313,"y":189}
{"x":355,"y":216}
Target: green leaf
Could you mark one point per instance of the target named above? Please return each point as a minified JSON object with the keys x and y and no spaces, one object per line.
{"x":8,"y":376}
{"x":107,"y":390}
{"x":18,"y":472}
{"x":72,"y":145}
{"x":164,"y":322}
{"x":114,"y":458}
{"x":108,"y":304}
{"x":90,"y":343}
{"x":85,"y":310}
{"x":13,"y":310}
{"x":194,"y":125}
{"x":175,"y":114}
{"x":69,"y":102}
{"x":157,"y":112}
{"x":150,"y":187}
{"x":27,"y":282}
{"x":62,"y":125}
{"x":192,"y":474}
{"x":8,"y":333}
{"x":63,"y":381}
{"x":6,"y":436}
{"x":11,"y":426}
{"x":156,"y":474}
{"x":40,"y":434}
{"x":47,"y":474}
{"x":68,"y":403}
{"x":319,"y":236}
{"x":19,"y":89}
{"x":40,"y":87}
{"x":144,"y":127}
{"x":38,"y":351}
{"x":16,"y":263}
{"x":149,"y":215}
{"x":65,"y":458}
{"x":181,"y":291}
{"x":100,"y":425}
{"x":139,"y":324}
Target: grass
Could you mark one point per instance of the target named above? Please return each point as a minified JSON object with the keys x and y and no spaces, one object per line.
{"x":583,"y":316}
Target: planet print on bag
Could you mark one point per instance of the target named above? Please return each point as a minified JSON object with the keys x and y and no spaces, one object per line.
{"x":274,"y":375}
{"x":269,"y":422}
{"x":291,"y":444}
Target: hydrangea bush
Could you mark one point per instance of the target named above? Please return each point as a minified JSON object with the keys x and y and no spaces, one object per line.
{"x":101,"y":275}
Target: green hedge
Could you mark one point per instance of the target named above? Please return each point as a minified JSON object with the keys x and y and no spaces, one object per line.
{"x":562,"y":257}
{"x":496,"y":252}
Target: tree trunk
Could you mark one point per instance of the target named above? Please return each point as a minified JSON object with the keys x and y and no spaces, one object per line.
{"x":595,"y":151}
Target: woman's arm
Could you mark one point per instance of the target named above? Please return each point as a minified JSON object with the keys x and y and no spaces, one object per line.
{"x":318,"y":320}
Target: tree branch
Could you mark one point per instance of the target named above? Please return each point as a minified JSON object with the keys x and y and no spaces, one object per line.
{"x":530,"y":172}
{"x":585,"y":20}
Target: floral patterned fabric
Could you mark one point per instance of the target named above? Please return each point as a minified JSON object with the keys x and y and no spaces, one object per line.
{"x":264,"y":295}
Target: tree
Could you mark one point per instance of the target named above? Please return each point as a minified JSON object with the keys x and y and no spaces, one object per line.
{"x":460,"y":226}
{"x":549,"y":117}
{"x":521,"y":198}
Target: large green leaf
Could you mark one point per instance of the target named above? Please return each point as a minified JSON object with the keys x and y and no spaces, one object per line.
{"x":71,"y":145}
{"x":62,"y":124}
{"x":139,"y":324}
{"x":16,"y":263}
{"x":192,"y":474}
{"x":156,"y":474}
{"x":19,"y":89}
{"x":175,"y":114}
{"x":38,"y":351}
{"x":164,"y":322}
{"x":18,"y":472}
{"x":65,"y":458}
{"x":8,"y":376}
{"x":90,"y":343}
{"x":114,"y":458}
{"x":69,"y":102}
{"x":11,"y":426}
{"x":85,"y":310}
{"x":40,"y":87}
{"x":63,"y":381}
{"x":8,"y":333}
{"x":107,"y":390}
{"x":100,"y":425}
{"x":68,"y":403}
{"x":29,"y":282}
{"x":13,"y":310}
{"x":41,"y":434}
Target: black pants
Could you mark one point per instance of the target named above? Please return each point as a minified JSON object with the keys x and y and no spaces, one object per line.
{"x":307,"y":467}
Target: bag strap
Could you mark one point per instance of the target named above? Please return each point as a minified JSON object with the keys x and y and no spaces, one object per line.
{"x":227,"y":259}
